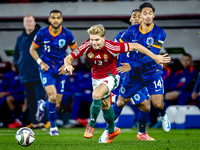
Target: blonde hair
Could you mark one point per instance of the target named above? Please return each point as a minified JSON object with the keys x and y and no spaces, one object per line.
{"x":97,"y":30}
{"x":29,"y":15}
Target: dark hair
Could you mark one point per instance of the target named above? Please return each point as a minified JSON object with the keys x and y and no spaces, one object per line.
{"x":146,"y":5}
{"x":55,"y":11}
{"x":134,"y":10}
{"x":188,"y":55}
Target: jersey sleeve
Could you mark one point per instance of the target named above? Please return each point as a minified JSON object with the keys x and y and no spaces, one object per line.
{"x":37,"y":39}
{"x":71,"y":40}
{"x":118,"y":36}
{"x":125,"y":37}
{"x":117,"y":48}
{"x":80,"y":50}
{"x":158,"y":42}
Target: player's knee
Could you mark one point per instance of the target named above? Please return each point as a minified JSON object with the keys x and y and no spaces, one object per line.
{"x":121,"y":102}
{"x":52,"y":98}
{"x":145,"y":107}
{"x":158,"y":105}
{"x":96,"y":95}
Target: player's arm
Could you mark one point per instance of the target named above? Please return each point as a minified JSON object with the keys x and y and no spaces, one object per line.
{"x":68,"y":63}
{"x":74,"y":46}
{"x":34,"y":54}
{"x":159,"y":59}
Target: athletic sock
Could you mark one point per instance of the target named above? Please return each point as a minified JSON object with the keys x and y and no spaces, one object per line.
{"x":109,"y":116}
{"x":117,"y":112}
{"x":143,"y":119}
{"x":162,"y":112}
{"x":51,"y":109}
{"x":94,"y":112}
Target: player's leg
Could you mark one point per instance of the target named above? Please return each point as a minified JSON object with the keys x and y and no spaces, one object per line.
{"x":95,"y":108}
{"x":41,"y":103}
{"x":51,"y":108}
{"x":143,"y":120}
{"x":156,"y":91}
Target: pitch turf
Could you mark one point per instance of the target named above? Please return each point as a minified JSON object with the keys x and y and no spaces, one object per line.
{"x":72,"y":139}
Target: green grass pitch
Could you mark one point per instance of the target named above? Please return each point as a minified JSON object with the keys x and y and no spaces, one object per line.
{"x":72,"y":139}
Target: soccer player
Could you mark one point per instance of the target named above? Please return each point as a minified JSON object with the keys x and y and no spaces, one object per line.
{"x":139,"y":99}
{"x":54,"y":40}
{"x":143,"y":71}
{"x":101,"y":54}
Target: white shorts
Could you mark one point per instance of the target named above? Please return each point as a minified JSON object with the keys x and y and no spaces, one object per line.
{"x":112,"y":82}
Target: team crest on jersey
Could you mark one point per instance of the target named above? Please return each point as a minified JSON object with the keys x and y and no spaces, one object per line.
{"x":61,"y":42}
{"x":105,"y":56}
{"x":90,"y":55}
{"x":150,"y":41}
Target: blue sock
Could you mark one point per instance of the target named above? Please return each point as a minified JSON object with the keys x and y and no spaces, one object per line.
{"x":143,"y":119}
{"x":44,"y":105}
{"x":117,"y":111}
{"x":162,"y":112}
{"x":51,"y":109}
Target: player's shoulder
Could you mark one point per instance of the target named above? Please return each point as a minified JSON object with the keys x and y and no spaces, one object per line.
{"x":85,"y":44}
{"x":159,"y":29}
{"x":134,"y":27}
{"x":65,"y":30}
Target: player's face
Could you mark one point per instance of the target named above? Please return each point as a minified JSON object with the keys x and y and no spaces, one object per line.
{"x":55,"y":20}
{"x":147,"y":15}
{"x":97,"y":41}
{"x":186,"y":61}
{"x":29,"y":23}
{"x":135,"y":18}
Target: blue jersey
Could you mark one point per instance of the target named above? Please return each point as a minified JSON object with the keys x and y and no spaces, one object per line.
{"x":143,"y":66}
{"x":142,"y":94}
{"x":54,"y":46}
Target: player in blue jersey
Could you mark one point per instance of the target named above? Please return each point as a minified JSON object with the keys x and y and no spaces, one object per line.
{"x":54,"y":40}
{"x":139,"y":99}
{"x":143,"y":71}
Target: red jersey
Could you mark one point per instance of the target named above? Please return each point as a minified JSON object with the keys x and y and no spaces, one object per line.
{"x":103,"y":61}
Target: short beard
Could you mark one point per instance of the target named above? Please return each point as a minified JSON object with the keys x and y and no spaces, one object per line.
{"x":55,"y":27}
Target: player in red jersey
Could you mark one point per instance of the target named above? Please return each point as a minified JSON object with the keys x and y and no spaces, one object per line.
{"x":101,"y":54}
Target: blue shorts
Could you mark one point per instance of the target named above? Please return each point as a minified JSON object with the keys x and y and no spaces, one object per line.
{"x":154,"y":86}
{"x":51,"y":77}
{"x":139,"y":97}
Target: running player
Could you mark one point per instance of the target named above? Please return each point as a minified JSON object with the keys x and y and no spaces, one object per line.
{"x":144,"y":72}
{"x":54,"y":40}
{"x":139,"y":99}
{"x":101,"y":54}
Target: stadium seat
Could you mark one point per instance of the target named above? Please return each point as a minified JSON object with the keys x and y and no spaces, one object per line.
{"x":178,"y":114}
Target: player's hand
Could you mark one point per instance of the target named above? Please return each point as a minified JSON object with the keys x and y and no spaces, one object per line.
{"x":194,"y":95}
{"x":62,"y":70}
{"x":69,"y":69}
{"x":124,"y":68}
{"x":44,"y":66}
{"x":162,"y":59}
